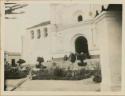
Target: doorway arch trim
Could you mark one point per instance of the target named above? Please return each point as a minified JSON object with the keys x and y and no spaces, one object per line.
{"x":73,"y":41}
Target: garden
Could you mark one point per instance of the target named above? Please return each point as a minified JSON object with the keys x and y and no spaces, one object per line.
{"x":73,"y":67}
{"x":16,"y":70}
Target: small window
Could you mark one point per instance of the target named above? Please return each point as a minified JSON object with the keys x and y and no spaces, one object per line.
{"x":79,"y":18}
{"x":38,"y":34}
{"x":32,"y":34}
{"x":45,"y":32}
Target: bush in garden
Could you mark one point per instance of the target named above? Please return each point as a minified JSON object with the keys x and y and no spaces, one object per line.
{"x":97,"y":76}
{"x":40,"y":60}
{"x":21,"y":61}
{"x":13,"y":63}
{"x":59,"y":72}
{"x":97,"y":72}
{"x":65,"y":58}
{"x":7,"y":66}
{"x":81,"y":63}
{"x":72,"y":57}
{"x":81,"y":57}
{"x":54,"y":64}
{"x":85,"y":73}
{"x":14,"y":72}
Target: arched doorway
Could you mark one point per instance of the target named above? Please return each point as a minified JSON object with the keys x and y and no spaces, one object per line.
{"x":81,"y":45}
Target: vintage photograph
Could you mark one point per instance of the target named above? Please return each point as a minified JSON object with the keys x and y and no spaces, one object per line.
{"x":63,"y":47}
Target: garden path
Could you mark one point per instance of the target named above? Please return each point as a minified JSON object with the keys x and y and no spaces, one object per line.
{"x":59,"y":85}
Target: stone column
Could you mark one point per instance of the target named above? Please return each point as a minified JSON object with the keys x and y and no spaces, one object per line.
{"x":110,"y":48}
{"x":104,"y":57}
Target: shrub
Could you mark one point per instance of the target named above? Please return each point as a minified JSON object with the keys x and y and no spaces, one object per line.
{"x":38,"y":65}
{"x":72,"y":57}
{"x":13,"y":63}
{"x":15,"y":73}
{"x":82,"y":63}
{"x":21,"y":61}
{"x":54,"y":64}
{"x":97,"y":79}
{"x":59,"y":72}
{"x":40,"y":60}
{"x":65,"y":58}
{"x":97,"y":76}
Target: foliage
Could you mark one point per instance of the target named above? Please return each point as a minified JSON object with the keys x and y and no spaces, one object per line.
{"x":38,"y":65}
{"x":54,"y":64}
{"x":15,"y":72}
{"x":13,"y":63}
{"x":81,"y":63}
{"x":62,"y":74}
{"x":21,"y":61}
{"x":40,"y":59}
{"x":72,"y":57}
{"x":65,"y":58}
{"x":59,"y":72}
{"x":97,"y":76}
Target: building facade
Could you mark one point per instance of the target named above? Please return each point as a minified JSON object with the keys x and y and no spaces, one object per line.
{"x":68,"y":25}
{"x":92,"y":29}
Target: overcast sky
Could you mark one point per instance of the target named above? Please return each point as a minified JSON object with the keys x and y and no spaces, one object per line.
{"x":14,"y":28}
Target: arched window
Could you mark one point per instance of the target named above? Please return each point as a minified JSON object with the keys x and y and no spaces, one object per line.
{"x":80,"y":18}
{"x":45,"y":32}
{"x":32,"y":34}
{"x":38,"y":34}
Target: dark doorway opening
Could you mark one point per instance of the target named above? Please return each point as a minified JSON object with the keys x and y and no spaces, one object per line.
{"x":81,"y":45}
{"x":79,"y":18}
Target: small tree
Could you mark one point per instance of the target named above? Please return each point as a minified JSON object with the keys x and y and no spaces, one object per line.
{"x":82,"y":57}
{"x":21,"y":61}
{"x":40,"y":60}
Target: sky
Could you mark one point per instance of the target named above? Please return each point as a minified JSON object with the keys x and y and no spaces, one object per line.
{"x":35,"y":13}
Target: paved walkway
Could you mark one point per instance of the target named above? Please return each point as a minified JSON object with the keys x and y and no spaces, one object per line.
{"x":59,"y":85}
{"x":14,"y":83}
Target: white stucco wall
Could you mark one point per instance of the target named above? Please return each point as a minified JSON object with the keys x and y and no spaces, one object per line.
{"x":63,"y":31}
{"x":65,"y":15}
{"x":115,"y":40}
{"x":109,"y":26}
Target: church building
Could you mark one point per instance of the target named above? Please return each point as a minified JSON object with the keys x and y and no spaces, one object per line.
{"x":71,"y":28}
{"x":90,"y":28}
